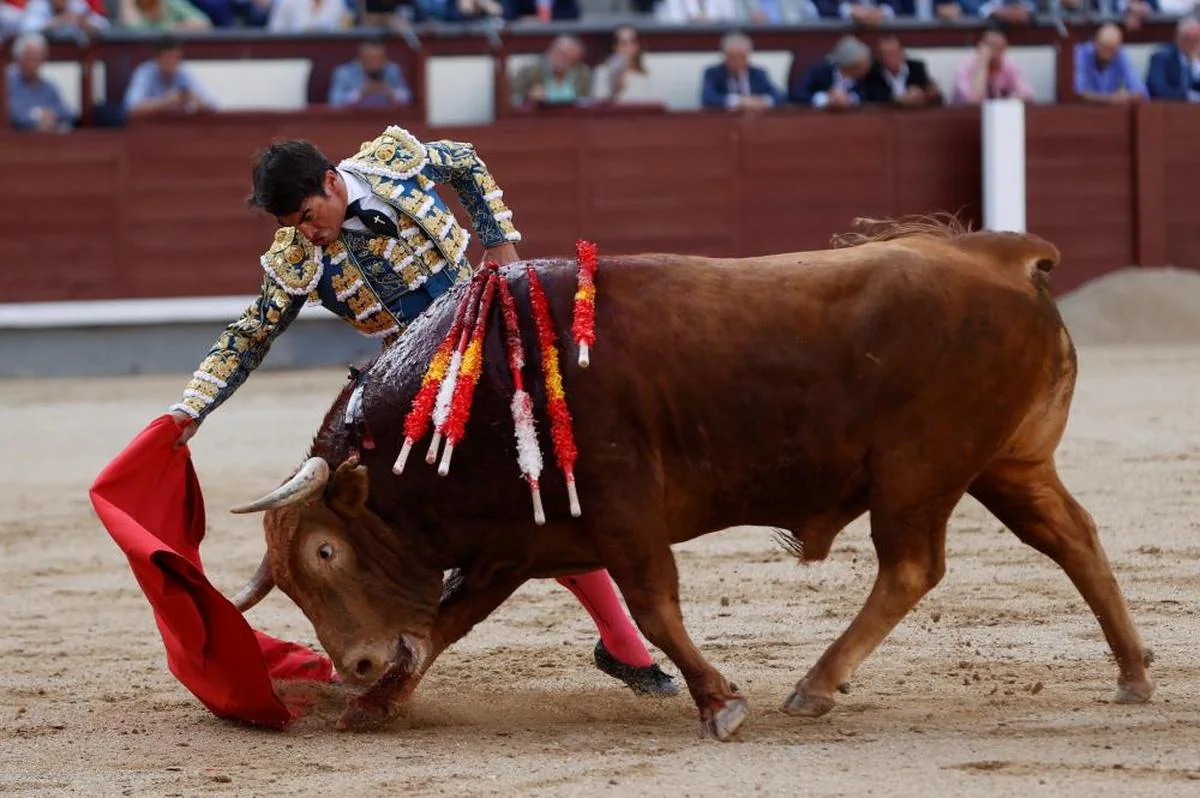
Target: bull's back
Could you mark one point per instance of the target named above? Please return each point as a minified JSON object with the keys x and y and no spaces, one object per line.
{"x":754,"y":379}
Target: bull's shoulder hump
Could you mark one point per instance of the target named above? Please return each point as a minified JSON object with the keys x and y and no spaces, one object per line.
{"x":1021,"y":253}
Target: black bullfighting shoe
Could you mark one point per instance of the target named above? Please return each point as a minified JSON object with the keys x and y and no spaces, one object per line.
{"x":649,"y":680}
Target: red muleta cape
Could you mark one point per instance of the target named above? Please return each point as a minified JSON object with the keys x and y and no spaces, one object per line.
{"x":149,"y":500}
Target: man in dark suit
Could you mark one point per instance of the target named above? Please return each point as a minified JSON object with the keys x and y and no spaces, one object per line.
{"x":838,"y":81}
{"x":1174,"y":70}
{"x":736,"y":85}
{"x":896,"y":78}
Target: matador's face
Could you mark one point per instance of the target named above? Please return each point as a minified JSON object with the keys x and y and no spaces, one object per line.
{"x":320,"y":216}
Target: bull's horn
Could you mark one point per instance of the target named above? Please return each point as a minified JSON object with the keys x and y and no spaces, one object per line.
{"x":257,"y":588}
{"x":309,"y":481}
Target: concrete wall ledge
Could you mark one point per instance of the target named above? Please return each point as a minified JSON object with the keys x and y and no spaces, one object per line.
{"x":158,"y":336}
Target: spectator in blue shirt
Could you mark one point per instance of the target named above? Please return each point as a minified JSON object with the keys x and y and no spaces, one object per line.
{"x":1103,"y":71}
{"x":163,"y":85}
{"x":370,"y":81}
{"x":33,"y":103}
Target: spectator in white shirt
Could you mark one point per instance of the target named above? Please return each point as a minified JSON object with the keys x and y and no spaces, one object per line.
{"x":623,"y":76}
{"x":61,"y":18}
{"x":681,"y":12}
{"x":299,"y":16}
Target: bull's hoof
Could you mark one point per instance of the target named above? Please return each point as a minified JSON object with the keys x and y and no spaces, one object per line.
{"x":724,"y":723}
{"x":807,"y":705}
{"x":360,"y":717}
{"x":1135,"y":692}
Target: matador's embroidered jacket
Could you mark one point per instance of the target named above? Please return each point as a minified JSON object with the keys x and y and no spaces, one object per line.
{"x":377,"y":283}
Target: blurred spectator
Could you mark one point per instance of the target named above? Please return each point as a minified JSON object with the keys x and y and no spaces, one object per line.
{"x":162,"y":15}
{"x":837,"y":81}
{"x":1013,"y":12}
{"x":681,"y":12}
{"x":163,"y":85}
{"x":392,"y":14}
{"x":948,"y":9}
{"x":33,"y":102}
{"x":779,"y":12}
{"x":1174,"y":69}
{"x":544,"y":10}
{"x":10,"y":19}
{"x":231,"y":13}
{"x":735,"y":84}
{"x":1136,"y":11}
{"x":862,"y":12}
{"x":458,"y":10}
{"x":1103,"y":71}
{"x":990,"y":74}
{"x":558,"y":78}
{"x":1177,"y":8}
{"x":623,"y":76}
{"x":369,"y":81}
{"x":62,"y":18}
{"x":301,"y":16}
{"x":896,"y":78}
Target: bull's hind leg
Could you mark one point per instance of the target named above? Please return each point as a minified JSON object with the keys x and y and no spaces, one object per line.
{"x":1031,"y":500}
{"x":639,"y":559}
{"x":910,"y":542}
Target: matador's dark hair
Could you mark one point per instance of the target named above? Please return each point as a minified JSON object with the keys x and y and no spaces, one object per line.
{"x":286,"y":174}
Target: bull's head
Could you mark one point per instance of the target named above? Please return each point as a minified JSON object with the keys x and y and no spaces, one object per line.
{"x":371,"y":605}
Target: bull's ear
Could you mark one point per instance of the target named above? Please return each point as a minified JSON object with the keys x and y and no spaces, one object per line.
{"x":348,"y":490}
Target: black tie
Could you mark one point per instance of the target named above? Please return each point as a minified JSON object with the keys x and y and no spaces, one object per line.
{"x":376,"y":221}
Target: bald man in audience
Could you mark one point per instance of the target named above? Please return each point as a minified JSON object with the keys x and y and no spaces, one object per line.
{"x":1103,"y":71}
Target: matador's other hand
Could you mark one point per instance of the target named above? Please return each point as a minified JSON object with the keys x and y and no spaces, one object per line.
{"x":502,"y":255}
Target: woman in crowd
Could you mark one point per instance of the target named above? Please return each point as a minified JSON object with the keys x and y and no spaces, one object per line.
{"x":623,"y":76}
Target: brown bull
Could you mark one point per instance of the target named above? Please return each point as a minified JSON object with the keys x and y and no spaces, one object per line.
{"x":893,"y":374}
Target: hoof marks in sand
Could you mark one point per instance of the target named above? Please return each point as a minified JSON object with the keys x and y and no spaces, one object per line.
{"x":360,"y":718}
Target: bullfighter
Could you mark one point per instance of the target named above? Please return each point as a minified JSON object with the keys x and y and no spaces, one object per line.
{"x":371,"y":241}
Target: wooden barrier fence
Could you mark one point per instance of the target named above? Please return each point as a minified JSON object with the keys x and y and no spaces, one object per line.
{"x":158,"y":209}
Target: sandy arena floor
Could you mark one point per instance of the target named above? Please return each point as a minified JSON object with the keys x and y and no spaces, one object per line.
{"x":999,"y":683}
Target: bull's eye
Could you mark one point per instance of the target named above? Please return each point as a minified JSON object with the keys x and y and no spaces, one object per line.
{"x":325,"y":552}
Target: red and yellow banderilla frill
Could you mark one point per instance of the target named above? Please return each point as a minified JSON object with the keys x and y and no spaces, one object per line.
{"x":421,"y":411}
{"x":441,"y":409}
{"x":472,"y":366}
{"x":583,"y":327}
{"x":556,"y":400}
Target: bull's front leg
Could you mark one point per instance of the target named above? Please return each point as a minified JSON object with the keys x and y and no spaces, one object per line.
{"x":464,"y":604}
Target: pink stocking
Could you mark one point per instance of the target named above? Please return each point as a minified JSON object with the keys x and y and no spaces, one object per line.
{"x":598,"y":595}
